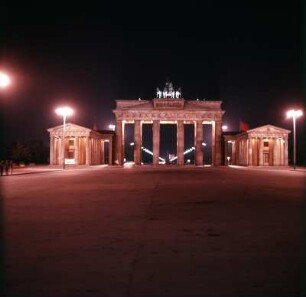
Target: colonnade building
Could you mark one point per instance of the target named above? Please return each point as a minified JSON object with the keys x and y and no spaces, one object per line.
{"x":263,"y":146}
{"x":266,"y":145}
{"x":82,"y":146}
{"x":162,"y":111}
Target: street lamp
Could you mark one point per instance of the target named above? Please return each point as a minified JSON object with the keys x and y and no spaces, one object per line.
{"x":64,"y":112}
{"x":4,"y":80}
{"x":112,"y":127}
{"x":224,"y":127}
{"x":294,"y":114}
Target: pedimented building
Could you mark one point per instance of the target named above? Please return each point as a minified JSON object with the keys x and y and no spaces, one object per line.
{"x":263,"y":146}
{"x":82,"y":146}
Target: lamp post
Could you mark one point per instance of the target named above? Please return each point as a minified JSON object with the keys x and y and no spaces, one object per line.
{"x":294,"y":114}
{"x":4,"y":83}
{"x":224,"y":127}
{"x":112,"y":127}
{"x":4,"y":80}
{"x":64,"y":112}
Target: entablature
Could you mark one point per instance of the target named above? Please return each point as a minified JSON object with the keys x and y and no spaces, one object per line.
{"x":268,"y":135}
{"x":168,"y":103}
{"x":173,"y":115}
{"x":59,"y":133}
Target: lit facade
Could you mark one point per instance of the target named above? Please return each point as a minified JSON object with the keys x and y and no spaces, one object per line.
{"x":169,"y":110}
{"x":82,"y":146}
{"x":263,"y":146}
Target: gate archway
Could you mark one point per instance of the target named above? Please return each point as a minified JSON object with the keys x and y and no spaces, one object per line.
{"x":174,"y":110}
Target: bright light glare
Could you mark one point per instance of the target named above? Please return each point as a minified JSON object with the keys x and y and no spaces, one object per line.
{"x":129,"y":164}
{"x":224,"y":127}
{"x":151,"y":153}
{"x":162,"y":159}
{"x":185,"y":152}
{"x":294,"y":113}
{"x":112,"y":127}
{"x":64,"y":111}
{"x":4,"y":80}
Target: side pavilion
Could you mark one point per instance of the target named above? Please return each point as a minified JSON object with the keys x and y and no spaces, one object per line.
{"x":263,"y":146}
{"x":82,"y":146}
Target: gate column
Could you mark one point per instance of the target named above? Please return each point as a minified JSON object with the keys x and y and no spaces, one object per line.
{"x":156,"y":140}
{"x":216,"y":142}
{"x":137,"y":142}
{"x":119,"y":142}
{"x":198,"y":143}
{"x":110,"y":152}
{"x":180,"y":142}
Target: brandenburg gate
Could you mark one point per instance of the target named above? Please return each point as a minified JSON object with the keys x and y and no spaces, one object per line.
{"x":169,"y":108}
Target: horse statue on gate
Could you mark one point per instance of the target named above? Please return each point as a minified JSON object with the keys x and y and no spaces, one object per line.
{"x":169,"y":91}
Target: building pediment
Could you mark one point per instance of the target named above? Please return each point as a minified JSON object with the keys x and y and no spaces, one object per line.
{"x":69,"y":127}
{"x":73,"y":130}
{"x":268,"y":129}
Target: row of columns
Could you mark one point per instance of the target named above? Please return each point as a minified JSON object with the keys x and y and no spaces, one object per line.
{"x":250,"y":151}
{"x":278,"y":151}
{"x":216,"y":142}
{"x":87,"y":151}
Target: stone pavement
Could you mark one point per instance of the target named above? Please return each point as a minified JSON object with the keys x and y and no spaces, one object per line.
{"x":154,"y":231}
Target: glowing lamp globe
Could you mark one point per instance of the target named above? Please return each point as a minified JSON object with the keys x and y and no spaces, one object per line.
{"x":294,"y":113}
{"x":64,"y":111}
{"x":4,"y":80}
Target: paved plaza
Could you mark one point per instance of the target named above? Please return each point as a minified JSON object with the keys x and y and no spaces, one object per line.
{"x":154,"y":232}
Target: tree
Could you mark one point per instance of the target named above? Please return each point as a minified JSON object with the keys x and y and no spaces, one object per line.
{"x":39,"y":152}
{"x":20,"y":153}
{"x":32,"y":151}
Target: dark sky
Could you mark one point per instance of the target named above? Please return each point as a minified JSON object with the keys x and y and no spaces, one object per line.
{"x":246,"y":53}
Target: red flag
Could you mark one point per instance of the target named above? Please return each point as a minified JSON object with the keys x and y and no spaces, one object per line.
{"x":243,"y":126}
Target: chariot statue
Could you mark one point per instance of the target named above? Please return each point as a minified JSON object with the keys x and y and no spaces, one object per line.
{"x":169,"y":91}
{"x":158,"y":93}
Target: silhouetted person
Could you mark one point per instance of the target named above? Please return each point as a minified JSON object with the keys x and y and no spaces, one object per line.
{"x":1,"y":167}
{"x":7,"y":167}
{"x":11,"y":166}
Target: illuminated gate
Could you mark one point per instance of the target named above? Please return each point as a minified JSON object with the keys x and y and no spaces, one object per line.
{"x":169,"y":107}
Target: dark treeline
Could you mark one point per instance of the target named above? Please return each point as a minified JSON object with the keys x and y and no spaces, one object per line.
{"x":32,"y":151}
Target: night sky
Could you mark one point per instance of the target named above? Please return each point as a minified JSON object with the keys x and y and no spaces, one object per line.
{"x":249,"y":54}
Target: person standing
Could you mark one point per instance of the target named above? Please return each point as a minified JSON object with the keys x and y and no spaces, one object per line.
{"x":1,"y":167}
{"x":11,"y":167}
{"x":6,"y":167}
